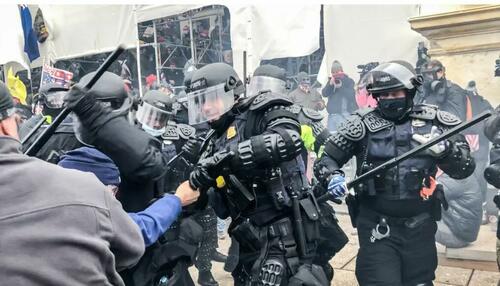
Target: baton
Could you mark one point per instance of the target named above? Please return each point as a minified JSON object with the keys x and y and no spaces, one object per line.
{"x":33,"y":130}
{"x":395,"y":161}
{"x":47,"y":133}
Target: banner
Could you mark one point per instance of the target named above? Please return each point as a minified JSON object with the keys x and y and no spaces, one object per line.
{"x":54,"y":75}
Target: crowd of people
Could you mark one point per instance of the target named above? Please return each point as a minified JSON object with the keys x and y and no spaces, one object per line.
{"x":165,"y":168}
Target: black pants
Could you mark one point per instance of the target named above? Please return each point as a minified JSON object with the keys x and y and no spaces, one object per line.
{"x":406,"y":258}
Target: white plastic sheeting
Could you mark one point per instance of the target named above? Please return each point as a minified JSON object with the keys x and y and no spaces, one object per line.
{"x":79,"y":30}
{"x":358,"y":34}
{"x":11,"y":36}
{"x":272,"y":31}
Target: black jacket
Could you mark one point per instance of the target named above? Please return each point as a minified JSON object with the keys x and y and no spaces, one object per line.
{"x":340,"y":100}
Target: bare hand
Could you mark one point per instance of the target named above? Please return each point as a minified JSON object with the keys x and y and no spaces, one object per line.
{"x":186,"y":194}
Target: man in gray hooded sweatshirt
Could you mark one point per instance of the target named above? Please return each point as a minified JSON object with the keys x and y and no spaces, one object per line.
{"x":58,"y":226}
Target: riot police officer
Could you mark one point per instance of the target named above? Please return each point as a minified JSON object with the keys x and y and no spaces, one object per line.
{"x":49,"y":102}
{"x":395,"y":212}
{"x":252,"y":159}
{"x":332,"y":238}
{"x":180,"y":144}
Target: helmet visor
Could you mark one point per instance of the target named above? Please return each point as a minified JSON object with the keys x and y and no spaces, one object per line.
{"x":260,"y":83}
{"x":55,"y":100}
{"x":399,"y":72}
{"x":209,"y":104}
{"x":152,"y":116}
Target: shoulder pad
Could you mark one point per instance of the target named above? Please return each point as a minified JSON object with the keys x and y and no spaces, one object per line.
{"x":267,"y":99}
{"x":170,"y":132}
{"x":447,"y":118}
{"x":374,"y":122}
{"x":352,"y":128}
{"x":186,"y":131}
{"x":295,"y":109}
{"x":424,"y":112}
{"x":312,"y":114}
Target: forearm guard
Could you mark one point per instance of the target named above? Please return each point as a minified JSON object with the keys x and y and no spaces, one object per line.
{"x":458,"y":163}
{"x":492,"y":175}
{"x":270,"y":149}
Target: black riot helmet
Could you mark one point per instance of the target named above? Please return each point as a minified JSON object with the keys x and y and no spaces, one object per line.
{"x":155,"y":111}
{"x":268,"y":77}
{"x":391,"y":77}
{"x":213,"y":92}
{"x":51,"y":98}
{"x":110,"y":91}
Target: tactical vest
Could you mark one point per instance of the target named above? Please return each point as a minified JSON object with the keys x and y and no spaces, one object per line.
{"x":265,"y":183}
{"x":385,"y":140}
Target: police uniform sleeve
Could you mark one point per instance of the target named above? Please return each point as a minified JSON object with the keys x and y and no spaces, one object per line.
{"x":340,"y":147}
{"x":278,"y":142}
{"x":458,"y":162}
{"x":126,"y":241}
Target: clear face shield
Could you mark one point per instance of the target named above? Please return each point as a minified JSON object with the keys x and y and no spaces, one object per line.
{"x":152,"y":116}
{"x":261,"y":83}
{"x":209,"y":104}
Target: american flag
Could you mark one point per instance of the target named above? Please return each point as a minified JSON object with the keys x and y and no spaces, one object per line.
{"x":54,"y":75}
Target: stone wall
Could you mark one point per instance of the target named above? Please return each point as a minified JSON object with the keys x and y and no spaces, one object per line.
{"x":467,"y":42}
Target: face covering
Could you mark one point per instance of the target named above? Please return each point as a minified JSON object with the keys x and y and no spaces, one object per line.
{"x":153,"y":132}
{"x":394,"y":108}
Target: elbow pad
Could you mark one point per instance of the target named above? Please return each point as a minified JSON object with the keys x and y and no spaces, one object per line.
{"x":459,"y":164}
{"x":275,"y":148}
{"x":492,"y":175}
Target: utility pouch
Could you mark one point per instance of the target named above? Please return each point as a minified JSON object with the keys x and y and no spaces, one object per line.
{"x":352,"y":203}
{"x":276,"y":190}
{"x":247,"y":235}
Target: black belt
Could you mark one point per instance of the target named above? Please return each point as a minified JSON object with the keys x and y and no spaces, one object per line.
{"x":409,"y":222}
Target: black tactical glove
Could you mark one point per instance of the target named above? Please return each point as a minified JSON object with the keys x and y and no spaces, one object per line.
{"x":79,"y":100}
{"x":191,"y":150}
{"x":492,"y":175}
{"x":208,"y":169}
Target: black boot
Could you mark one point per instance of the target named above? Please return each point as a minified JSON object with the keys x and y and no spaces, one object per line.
{"x":205,"y":278}
{"x":219,"y":257}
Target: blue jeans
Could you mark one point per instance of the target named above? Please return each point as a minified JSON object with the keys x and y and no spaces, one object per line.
{"x":221,"y":225}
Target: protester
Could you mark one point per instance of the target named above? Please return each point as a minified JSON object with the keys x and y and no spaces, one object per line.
{"x":340,"y":93}
{"x":59,"y":227}
{"x":305,"y":95}
{"x":154,"y":220}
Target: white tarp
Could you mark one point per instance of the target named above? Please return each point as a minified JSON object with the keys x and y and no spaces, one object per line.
{"x":358,"y":34}
{"x":11,"y":36}
{"x":79,"y":30}
{"x":272,"y":31}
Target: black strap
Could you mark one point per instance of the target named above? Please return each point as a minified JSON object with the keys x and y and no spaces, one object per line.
{"x":259,"y":148}
{"x":278,"y":113}
{"x":287,"y":138}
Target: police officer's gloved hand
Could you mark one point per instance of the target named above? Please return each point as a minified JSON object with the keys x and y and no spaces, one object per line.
{"x":492,"y":174}
{"x":191,"y":150}
{"x":337,"y":186}
{"x":438,"y":150}
{"x":209,"y":169}
{"x":79,"y":100}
